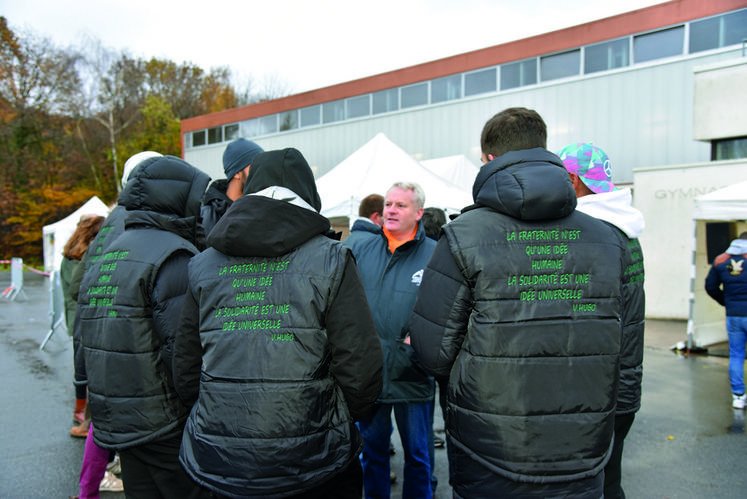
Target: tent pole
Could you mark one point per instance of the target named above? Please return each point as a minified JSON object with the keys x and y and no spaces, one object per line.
{"x":691,"y":313}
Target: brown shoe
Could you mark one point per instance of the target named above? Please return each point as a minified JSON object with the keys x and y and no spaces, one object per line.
{"x":80,"y":431}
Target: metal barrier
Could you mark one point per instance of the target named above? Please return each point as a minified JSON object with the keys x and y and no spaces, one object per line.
{"x":56,"y":307}
{"x":16,"y":279}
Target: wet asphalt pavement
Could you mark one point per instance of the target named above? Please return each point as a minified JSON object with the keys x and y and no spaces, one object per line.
{"x":686,"y":442}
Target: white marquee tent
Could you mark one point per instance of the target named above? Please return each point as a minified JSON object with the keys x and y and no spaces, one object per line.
{"x":706,"y":324}
{"x":56,"y":235}
{"x":458,"y":170}
{"x":373,"y":169}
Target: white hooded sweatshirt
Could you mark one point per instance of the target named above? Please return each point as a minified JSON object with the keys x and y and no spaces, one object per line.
{"x":616,"y":208}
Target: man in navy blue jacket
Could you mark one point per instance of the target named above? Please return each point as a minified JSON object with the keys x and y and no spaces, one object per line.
{"x":727,"y":284}
{"x":391,"y":264}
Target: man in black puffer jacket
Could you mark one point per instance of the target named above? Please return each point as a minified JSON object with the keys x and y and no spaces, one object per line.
{"x":129,"y":305}
{"x":277,"y":348}
{"x":520,"y":309}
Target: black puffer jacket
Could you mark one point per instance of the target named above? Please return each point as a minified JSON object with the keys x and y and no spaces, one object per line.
{"x":129,"y":304}
{"x":276,"y":348}
{"x":520,"y":308}
{"x":215,"y":203}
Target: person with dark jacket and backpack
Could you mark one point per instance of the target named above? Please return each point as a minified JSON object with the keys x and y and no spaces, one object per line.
{"x":277,"y":348}
{"x":520,"y":309}
{"x":129,"y":305}
{"x":590,"y":172}
{"x":727,"y":284}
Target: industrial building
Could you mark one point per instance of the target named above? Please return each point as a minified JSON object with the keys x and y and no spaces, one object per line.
{"x":663,"y":90}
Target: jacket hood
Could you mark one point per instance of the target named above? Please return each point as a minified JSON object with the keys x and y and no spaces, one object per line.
{"x":269,"y":223}
{"x":284,"y":168}
{"x":737,"y":247}
{"x":366,"y":225}
{"x":616,"y":208}
{"x":166,"y":185}
{"x":187,"y":228}
{"x":531,"y":184}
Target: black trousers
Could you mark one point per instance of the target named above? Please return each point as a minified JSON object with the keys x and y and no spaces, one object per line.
{"x":613,"y":470}
{"x":153,"y":471}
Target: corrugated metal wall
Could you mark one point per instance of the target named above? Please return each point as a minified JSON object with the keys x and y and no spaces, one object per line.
{"x":641,"y":116}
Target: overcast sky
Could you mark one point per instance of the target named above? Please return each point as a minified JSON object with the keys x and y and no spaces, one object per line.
{"x":305,"y":45}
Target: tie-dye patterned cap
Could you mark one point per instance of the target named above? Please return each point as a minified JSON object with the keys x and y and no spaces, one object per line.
{"x":591,"y":164}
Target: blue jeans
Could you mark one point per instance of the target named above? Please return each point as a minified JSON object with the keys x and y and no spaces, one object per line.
{"x":416,"y":431}
{"x":737,"y":329}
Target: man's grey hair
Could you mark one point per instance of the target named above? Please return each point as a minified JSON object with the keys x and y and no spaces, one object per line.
{"x":418,"y":195}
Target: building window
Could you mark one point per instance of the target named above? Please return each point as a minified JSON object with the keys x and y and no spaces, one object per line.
{"x":518,"y":74}
{"x":729,"y":149}
{"x":385,"y":101}
{"x":268,"y":124}
{"x":665,"y":43}
{"x":716,"y":32}
{"x":215,"y":135}
{"x":480,"y":82}
{"x":198,"y":138}
{"x":561,"y":65}
{"x":414,"y":95}
{"x":447,"y":88}
{"x":606,"y":56}
{"x":250,"y":128}
{"x":333,"y":111}
{"x":231,"y":132}
{"x":311,"y":116}
{"x":358,"y":106}
{"x":288,"y":120}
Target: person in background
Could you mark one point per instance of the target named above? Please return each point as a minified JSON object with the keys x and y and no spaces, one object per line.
{"x":433,"y":219}
{"x":129,"y":305}
{"x":276,"y":348}
{"x":727,"y":284}
{"x":71,"y":273}
{"x":221,"y":193}
{"x":391,"y":264}
{"x":369,"y":217}
{"x":590,"y":171}
{"x":533,"y":385}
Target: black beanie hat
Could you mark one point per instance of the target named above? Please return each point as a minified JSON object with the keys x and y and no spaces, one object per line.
{"x":238,"y":155}
{"x":284,"y":168}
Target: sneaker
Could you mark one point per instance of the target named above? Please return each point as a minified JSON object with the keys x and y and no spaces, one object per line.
{"x":111,"y":483}
{"x":738,"y":401}
{"x":115,"y":466}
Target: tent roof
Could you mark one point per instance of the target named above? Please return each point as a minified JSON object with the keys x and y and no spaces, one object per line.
{"x":56,"y":235}
{"x":458,"y":170}
{"x":729,"y":203}
{"x":373,"y":169}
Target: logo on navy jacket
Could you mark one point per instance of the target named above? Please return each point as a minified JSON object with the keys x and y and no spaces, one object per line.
{"x":417,"y":277}
{"x":734,"y":267}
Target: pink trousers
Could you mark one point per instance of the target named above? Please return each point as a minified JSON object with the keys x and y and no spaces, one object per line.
{"x":93,"y":468}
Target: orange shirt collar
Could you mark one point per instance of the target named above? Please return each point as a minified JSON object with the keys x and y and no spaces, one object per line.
{"x":395,"y":243}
